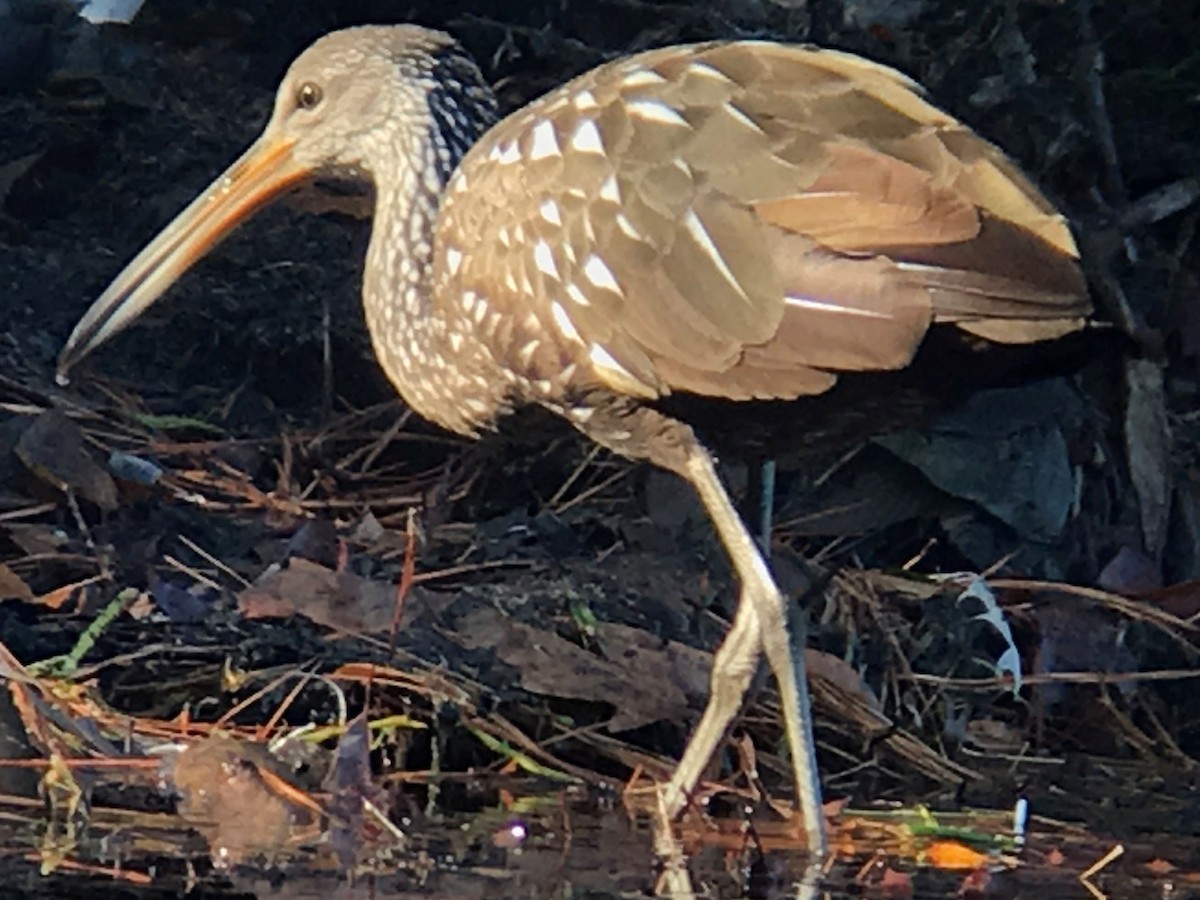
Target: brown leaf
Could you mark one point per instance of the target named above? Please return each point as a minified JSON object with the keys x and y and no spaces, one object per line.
{"x":316,"y":540}
{"x":837,"y":671}
{"x":642,"y":687}
{"x":58,"y":597}
{"x":641,"y":651}
{"x":35,"y":538}
{"x":1181,"y":600}
{"x":229,"y":792}
{"x":339,"y":600}
{"x":52,"y":449}
{"x":645,"y":677}
{"x":13,"y":586}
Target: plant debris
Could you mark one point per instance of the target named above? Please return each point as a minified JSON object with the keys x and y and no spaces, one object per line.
{"x":260,"y":623}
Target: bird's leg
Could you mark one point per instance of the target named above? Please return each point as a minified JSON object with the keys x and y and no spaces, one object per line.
{"x":759,"y":505}
{"x":766,"y":505}
{"x":761,"y":618}
{"x":761,"y":595}
{"x":733,"y":668}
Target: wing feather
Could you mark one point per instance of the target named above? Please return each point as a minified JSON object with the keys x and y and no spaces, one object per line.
{"x":750,"y":219}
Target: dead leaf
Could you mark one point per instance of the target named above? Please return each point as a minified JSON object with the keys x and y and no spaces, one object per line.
{"x":873,"y":492}
{"x":34,"y":538}
{"x":1180,"y":600}
{"x":349,"y":783}
{"x":1076,"y":636}
{"x":1128,"y":572}
{"x":316,"y":540}
{"x":913,"y":588}
{"x":1009,"y":661}
{"x":339,"y":600}
{"x":642,"y":651}
{"x":142,"y":608}
{"x":13,"y":586}
{"x":57,"y":598}
{"x":182,"y":604}
{"x":367,"y":531}
{"x":840,"y":673}
{"x":642,"y":687}
{"x":1148,"y":446}
{"x":228,"y":792}
{"x":52,"y":448}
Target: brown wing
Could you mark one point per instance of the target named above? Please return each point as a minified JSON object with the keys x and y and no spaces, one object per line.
{"x":749,"y":219}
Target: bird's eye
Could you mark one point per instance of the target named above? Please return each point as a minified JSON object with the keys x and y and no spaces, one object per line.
{"x":308,"y":95}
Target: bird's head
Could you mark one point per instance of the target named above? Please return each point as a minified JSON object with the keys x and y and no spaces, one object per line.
{"x":374,"y":103}
{"x":377,"y":97}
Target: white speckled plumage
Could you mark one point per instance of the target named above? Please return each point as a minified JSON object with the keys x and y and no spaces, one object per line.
{"x":737,"y":220}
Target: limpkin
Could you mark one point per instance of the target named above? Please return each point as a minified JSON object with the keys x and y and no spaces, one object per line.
{"x":741,"y":221}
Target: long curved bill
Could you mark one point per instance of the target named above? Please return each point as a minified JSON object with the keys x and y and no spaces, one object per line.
{"x":261,"y":174}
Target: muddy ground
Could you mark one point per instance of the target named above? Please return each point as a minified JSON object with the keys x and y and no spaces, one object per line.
{"x":273,"y":457}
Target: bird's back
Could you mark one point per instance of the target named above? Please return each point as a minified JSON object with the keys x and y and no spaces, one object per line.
{"x":747,"y":220}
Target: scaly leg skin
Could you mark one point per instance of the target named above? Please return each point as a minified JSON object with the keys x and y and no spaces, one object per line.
{"x":674,"y":880}
{"x":733,"y":668}
{"x":761,"y":618}
{"x":766,"y":506}
{"x":769,"y":610}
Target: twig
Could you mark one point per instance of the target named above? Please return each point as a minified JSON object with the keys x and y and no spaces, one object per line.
{"x":212,"y":560}
{"x":584,"y":496}
{"x":232,"y":712}
{"x":573,"y":477}
{"x":993,"y":682}
{"x":194,"y":574}
{"x":408,"y":571}
{"x":381,"y":443}
{"x":1123,"y":605}
{"x":1092,"y":64}
{"x":1103,"y":862}
{"x":28,"y":512}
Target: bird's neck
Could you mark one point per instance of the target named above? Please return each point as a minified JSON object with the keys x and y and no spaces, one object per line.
{"x":434,"y":370}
